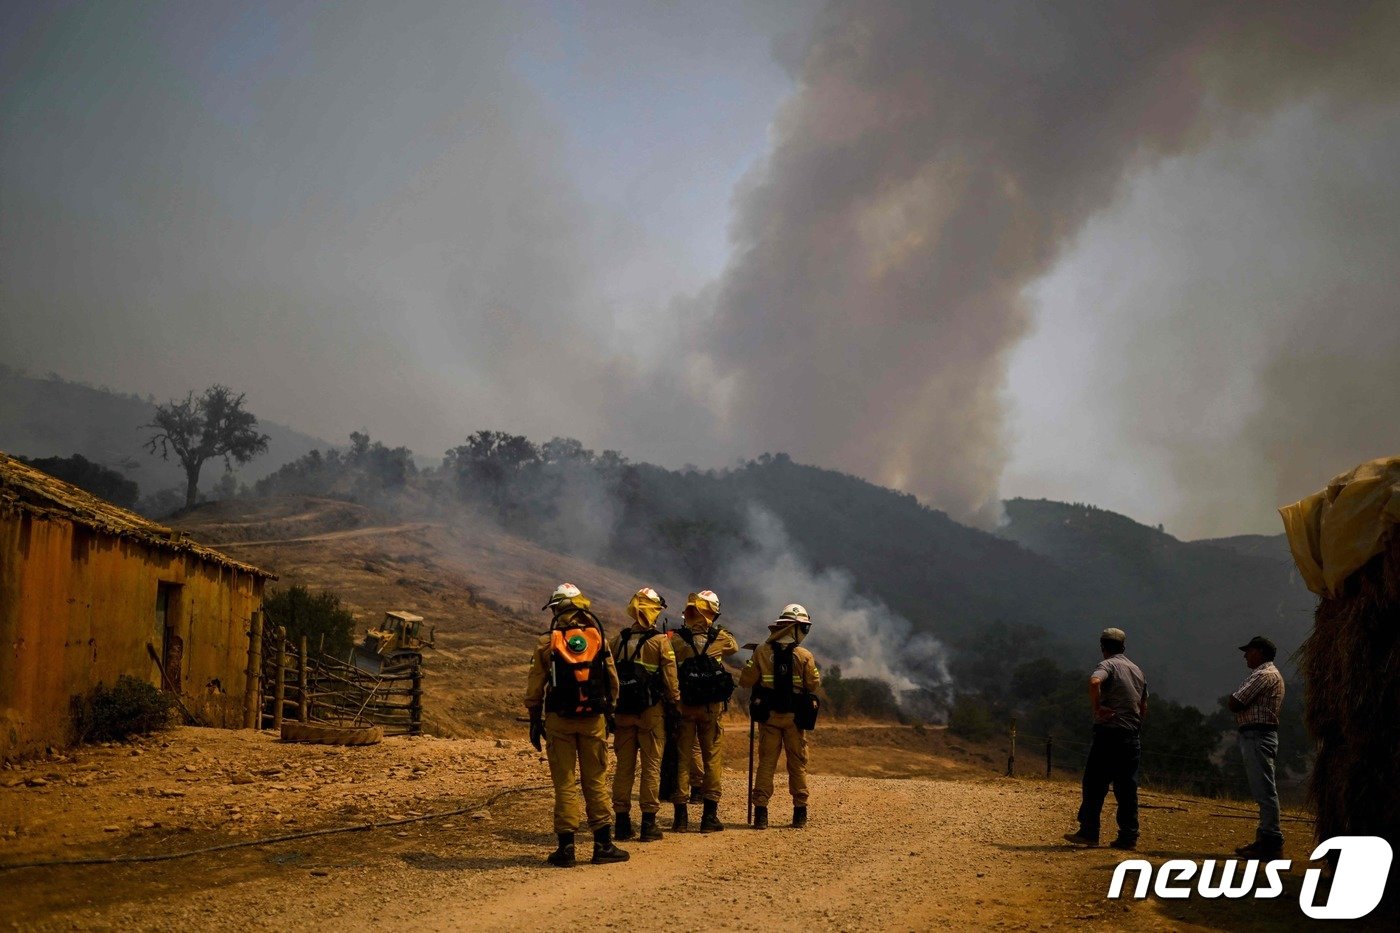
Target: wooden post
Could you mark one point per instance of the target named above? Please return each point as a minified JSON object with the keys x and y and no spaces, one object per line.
{"x":303,"y":688}
{"x":279,"y":689}
{"x":415,"y":703}
{"x":1011,"y":758}
{"x":1049,"y":755}
{"x":252,"y":682}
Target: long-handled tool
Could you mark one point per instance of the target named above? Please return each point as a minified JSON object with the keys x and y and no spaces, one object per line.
{"x":190,"y":719}
{"x":748,"y":818}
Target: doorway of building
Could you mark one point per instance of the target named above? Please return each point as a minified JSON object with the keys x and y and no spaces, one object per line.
{"x":172,"y":646}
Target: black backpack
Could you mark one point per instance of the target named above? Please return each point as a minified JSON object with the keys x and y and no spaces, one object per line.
{"x":638,"y":689}
{"x":703,"y":679}
{"x":783,"y":697}
{"x":777,"y":698}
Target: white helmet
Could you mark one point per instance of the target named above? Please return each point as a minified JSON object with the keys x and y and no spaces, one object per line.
{"x":794,"y":612}
{"x":704,"y":602}
{"x":562,"y":593}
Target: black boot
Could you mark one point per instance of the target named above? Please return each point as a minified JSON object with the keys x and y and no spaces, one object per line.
{"x":709,"y":820}
{"x":799,"y":817}
{"x":650,"y":831}
{"x":760,"y":817}
{"x":681,"y":821}
{"x":564,"y":855}
{"x":604,"y":850}
{"x":624,"y":827}
{"x":697,"y":794}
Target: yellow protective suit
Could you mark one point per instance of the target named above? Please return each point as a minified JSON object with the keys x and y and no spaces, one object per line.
{"x":779,"y":733}
{"x":701,"y":725}
{"x":644,"y":734}
{"x":578,"y":746}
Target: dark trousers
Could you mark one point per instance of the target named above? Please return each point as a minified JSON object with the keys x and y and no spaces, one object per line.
{"x":1114,"y":756}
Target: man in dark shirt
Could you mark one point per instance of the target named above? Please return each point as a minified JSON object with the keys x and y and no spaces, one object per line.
{"x":1118,"y":697}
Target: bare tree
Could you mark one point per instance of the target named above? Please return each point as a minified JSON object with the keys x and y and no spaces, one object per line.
{"x":197,"y":429}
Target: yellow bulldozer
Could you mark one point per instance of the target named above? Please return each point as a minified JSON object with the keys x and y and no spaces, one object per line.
{"x":398,"y":643}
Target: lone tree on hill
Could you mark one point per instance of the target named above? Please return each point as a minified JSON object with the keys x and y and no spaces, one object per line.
{"x":198,"y":429}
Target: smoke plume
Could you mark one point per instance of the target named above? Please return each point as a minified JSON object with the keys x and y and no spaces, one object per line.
{"x":935,"y":161}
{"x":864,"y":636}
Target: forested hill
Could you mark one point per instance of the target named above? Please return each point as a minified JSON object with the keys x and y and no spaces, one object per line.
{"x":52,"y":417}
{"x":1070,"y":570}
{"x":1045,"y":584}
{"x":1186,"y":605}
{"x":942,"y":576}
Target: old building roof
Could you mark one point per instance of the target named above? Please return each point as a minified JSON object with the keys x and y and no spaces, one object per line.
{"x":26,"y":489}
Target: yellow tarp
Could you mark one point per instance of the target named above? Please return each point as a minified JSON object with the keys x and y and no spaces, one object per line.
{"x":1333,"y":533}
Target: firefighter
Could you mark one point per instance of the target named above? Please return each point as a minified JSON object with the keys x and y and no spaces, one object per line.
{"x":785,"y":679}
{"x":700,"y":647}
{"x":646,"y":667}
{"x":570,"y":695}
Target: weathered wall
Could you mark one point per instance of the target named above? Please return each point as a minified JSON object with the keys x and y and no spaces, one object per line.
{"x":78,"y":607}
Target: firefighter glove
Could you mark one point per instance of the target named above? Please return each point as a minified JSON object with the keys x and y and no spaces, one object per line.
{"x":536,"y":729}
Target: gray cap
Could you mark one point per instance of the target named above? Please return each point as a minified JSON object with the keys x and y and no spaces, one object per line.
{"x":1113,"y":634}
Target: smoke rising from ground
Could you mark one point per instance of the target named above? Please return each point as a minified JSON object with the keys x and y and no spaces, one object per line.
{"x":936,"y":160}
{"x":862,"y":635}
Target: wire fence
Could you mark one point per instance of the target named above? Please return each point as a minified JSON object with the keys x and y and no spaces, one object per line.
{"x":1159,"y":769}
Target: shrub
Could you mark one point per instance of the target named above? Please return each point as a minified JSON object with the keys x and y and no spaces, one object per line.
{"x":315,"y":615}
{"x":97,"y":479}
{"x":860,"y":696}
{"x":971,"y":718}
{"x":131,"y":707}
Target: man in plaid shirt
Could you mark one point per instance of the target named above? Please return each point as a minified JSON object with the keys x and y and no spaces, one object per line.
{"x":1256,"y":707}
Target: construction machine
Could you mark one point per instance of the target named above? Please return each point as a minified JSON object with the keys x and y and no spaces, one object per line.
{"x":398,"y":643}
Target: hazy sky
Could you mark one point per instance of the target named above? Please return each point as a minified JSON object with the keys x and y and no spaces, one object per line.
{"x":1133,"y":254}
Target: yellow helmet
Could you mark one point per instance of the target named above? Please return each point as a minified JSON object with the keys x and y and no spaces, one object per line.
{"x":705,"y":603}
{"x":645,"y":606}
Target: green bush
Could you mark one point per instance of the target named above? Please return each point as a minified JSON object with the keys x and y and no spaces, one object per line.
{"x":860,"y":696}
{"x":132,"y":707}
{"x":315,"y":615}
{"x":971,"y":718}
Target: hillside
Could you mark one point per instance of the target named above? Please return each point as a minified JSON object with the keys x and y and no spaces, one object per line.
{"x":480,"y":588}
{"x":1186,"y":605}
{"x":42,"y":417}
{"x":1066,"y":570}
{"x":879,"y":567}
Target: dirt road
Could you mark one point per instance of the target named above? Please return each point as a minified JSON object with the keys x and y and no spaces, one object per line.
{"x":948,"y":846}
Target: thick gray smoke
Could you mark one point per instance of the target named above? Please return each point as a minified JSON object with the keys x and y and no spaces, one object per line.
{"x":936,"y":160}
{"x":864,"y":636}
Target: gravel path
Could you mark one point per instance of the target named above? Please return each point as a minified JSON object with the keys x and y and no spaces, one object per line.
{"x":969,"y":851}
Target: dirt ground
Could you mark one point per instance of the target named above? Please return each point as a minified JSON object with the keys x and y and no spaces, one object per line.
{"x":934,"y":841}
{"x":910,"y":829}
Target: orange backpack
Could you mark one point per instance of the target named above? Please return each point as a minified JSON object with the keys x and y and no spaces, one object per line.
{"x":578,"y":677}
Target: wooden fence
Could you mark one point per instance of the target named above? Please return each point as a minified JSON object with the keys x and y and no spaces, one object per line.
{"x":299,"y":686}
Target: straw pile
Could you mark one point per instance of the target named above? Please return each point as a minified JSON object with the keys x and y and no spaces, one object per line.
{"x":1351,"y":663}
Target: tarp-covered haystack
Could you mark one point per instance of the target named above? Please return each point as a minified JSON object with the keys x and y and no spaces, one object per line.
{"x":1346,"y":543}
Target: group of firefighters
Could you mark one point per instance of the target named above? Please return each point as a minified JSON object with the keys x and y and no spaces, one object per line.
{"x":662,"y":694}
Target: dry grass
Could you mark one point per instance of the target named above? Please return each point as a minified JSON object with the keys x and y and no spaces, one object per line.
{"x":1351,"y":662}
